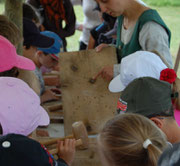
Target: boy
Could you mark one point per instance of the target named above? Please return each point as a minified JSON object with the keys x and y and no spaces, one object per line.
{"x":22,"y":151}
{"x":10,"y":61}
{"x":47,"y":57}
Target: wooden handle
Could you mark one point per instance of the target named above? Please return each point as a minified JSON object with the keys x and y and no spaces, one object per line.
{"x":55,"y":107}
{"x":54,"y":141}
{"x":55,"y":151}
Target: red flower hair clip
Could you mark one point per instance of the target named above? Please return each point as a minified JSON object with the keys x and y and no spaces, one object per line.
{"x":168,"y":75}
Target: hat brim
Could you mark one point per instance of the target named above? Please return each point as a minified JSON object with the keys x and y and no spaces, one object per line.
{"x":116,"y":85}
{"x":42,"y":41}
{"x":44,"y":120}
{"x":25,"y":63}
{"x":177,"y":116}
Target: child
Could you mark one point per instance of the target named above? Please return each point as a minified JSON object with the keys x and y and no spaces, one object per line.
{"x":10,"y":31}
{"x":22,"y":151}
{"x":20,"y":111}
{"x":33,"y":39}
{"x":10,"y":61}
{"x":143,"y":64}
{"x":171,"y":156}
{"x":130,"y":140}
{"x":47,"y":57}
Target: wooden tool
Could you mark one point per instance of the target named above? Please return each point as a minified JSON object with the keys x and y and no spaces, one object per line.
{"x":55,"y":151}
{"x":55,"y":107}
{"x":79,"y":132}
{"x":92,"y":80}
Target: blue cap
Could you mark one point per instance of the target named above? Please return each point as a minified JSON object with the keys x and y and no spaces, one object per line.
{"x":55,"y":48}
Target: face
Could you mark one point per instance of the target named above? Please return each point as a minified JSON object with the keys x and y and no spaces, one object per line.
{"x":30,"y":52}
{"x":114,"y":8}
{"x":47,"y":60}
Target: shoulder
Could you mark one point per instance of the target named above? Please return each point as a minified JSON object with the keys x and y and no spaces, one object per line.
{"x":154,"y":28}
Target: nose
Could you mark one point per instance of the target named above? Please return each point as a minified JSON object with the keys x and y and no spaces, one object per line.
{"x":103,"y":7}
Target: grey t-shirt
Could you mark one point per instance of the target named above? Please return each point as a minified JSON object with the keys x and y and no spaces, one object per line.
{"x":41,"y":80}
{"x":152,"y":37}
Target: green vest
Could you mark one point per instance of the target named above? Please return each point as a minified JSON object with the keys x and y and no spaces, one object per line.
{"x":133,"y":45}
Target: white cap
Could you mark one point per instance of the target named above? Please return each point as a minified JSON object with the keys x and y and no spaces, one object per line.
{"x":138,"y":64}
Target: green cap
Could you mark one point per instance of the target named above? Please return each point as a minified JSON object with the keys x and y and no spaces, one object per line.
{"x":147,"y":96}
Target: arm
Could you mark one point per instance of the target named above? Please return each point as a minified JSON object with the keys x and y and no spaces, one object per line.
{"x":34,"y":3}
{"x":153,"y":37}
{"x":70,"y":16}
{"x":91,"y":43}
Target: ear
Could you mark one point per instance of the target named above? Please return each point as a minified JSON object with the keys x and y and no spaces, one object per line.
{"x":158,"y":122}
{"x":39,"y":53}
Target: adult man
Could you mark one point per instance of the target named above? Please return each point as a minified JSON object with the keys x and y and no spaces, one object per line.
{"x":152,"y":98}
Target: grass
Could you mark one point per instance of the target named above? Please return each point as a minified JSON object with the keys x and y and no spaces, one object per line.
{"x":162,"y":2}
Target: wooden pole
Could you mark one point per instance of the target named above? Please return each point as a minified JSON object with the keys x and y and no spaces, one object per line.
{"x":177,"y":61}
{"x":13,"y":10}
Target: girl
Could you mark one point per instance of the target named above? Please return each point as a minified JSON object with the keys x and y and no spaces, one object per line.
{"x":130,"y":140}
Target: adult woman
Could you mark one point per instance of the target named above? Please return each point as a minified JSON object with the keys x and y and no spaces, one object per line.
{"x":139,"y":28}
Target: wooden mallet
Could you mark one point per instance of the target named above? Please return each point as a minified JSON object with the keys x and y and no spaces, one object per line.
{"x":79,"y":133}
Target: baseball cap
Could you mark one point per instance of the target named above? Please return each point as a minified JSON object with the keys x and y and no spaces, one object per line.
{"x":33,"y":37}
{"x":147,"y":96}
{"x":171,"y":156}
{"x":54,"y":50}
{"x":138,"y":64}
{"x":20,"y":150}
{"x":20,"y":111}
{"x":9,"y":57}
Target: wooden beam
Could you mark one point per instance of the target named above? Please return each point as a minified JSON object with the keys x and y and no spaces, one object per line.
{"x":13,"y":10}
{"x":177,"y":61}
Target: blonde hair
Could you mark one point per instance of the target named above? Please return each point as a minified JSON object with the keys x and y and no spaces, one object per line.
{"x":121,"y":141}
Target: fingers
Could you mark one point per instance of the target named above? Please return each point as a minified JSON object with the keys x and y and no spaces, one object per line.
{"x":97,"y":75}
{"x":100,"y":47}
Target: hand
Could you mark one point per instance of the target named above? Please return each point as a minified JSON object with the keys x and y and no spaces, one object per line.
{"x":80,"y":27}
{"x":66,"y":150}
{"x":56,"y":90}
{"x":101,"y":46}
{"x":106,"y":73}
{"x":48,"y":95}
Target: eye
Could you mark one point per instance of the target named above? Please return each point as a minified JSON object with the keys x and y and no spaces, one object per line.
{"x":104,"y":1}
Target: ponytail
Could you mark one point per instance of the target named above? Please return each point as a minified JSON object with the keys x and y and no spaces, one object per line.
{"x":153,"y":155}
{"x":131,"y":139}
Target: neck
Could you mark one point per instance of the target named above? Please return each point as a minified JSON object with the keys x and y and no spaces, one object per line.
{"x":133,"y":12}
{"x":36,"y":61}
{"x":174,"y":135}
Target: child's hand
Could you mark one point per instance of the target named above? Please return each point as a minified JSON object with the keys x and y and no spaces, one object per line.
{"x":48,"y":95}
{"x":66,"y":150}
{"x":56,"y":90}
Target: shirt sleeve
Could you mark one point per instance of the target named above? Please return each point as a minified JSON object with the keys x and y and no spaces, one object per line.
{"x":60,"y":162}
{"x":153,"y":37}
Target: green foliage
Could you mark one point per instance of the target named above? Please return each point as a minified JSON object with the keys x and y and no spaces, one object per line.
{"x":163,"y":2}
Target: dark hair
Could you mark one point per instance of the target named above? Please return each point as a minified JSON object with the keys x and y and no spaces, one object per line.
{"x":10,"y":73}
{"x":27,"y":46}
{"x":29,"y":12}
{"x":168,"y":113}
